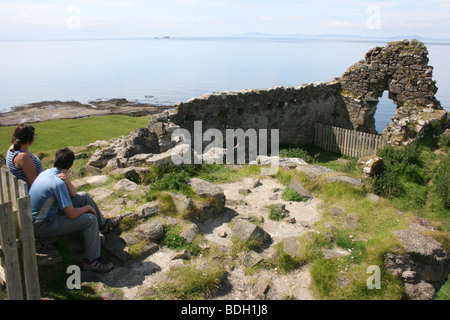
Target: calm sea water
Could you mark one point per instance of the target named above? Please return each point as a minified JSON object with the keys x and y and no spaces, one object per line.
{"x":164,"y":71}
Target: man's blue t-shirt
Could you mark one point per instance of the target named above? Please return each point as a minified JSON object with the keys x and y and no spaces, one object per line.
{"x":48,"y":195}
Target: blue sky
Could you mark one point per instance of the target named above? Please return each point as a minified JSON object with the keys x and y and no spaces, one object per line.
{"x":63,"y":19}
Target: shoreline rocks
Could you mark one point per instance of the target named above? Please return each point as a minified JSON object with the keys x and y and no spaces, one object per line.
{"x":50,"y":110}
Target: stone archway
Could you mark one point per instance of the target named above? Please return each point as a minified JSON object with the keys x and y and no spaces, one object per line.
{"x":402,"y":69}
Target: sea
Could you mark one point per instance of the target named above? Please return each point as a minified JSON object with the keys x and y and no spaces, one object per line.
{"x":167,"y":70}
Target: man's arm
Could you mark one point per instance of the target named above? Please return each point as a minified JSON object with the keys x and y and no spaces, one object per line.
{"x":74,"y":213}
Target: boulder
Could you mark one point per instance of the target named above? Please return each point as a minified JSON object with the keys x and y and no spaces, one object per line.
{"x":207,"y":210}
{"x":250,"y":258}
{"x":131,"y":173}
{"x":140,"y":141}
{"x":96,"y":180}
{"x":99,"y":194}
{"x":126,"y":185}
{"x":314,"y":171}
{"x":333,"y":253}
{"x":182,"y":203}
{"x":372,"y":197}
{"x":370,"y":165}
{"x":207,"y":189}
{"x":423,"y":268}
{"x":88,"y":170}
{"x":296,"y":185}
{"x":213,"y":155}
{"x":251,"y":183}
{"x":291,"y":163}
{"x":153,"y":230}
{"x":246,"y":231}
{"x":160,"y":159}
{"x":344,"y":179}
{"x":148,"y":210}
{"x":261,"y":289}
{"x":117,"y":247}
{"x":190,"y":232}
{"x":291,"y":245}
{"x":101,"y":157}
{"x":78,"y":183}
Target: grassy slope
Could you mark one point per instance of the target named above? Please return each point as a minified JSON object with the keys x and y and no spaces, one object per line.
{"x":368,"y":241}
{"x":55,"y":134}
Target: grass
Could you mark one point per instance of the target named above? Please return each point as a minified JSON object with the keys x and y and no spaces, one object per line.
{"x":276,"y":214}
{"x":190,"y":282}
{"x":55,"y":134}
{"x":418,"y":171}
{"x":174,"y":241}
{"x":291,"y":195}
{"x":415,"y":188}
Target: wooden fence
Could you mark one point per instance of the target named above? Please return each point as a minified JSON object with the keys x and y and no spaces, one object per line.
{"x":347,"y":142}
{"x":18,"y":264}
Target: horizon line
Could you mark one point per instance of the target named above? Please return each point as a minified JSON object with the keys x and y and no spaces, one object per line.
{"x":248,"y":35}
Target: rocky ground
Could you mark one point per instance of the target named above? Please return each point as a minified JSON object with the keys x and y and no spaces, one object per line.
{"x":245,"y":202}
{"x":134,"y":278}
{"x":50,"y":110}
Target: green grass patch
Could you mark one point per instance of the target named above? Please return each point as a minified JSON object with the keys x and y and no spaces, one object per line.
{"x":291,"y":195}
{"x":174,"y":241}
{"x":55,"y":134}
{"x":175,"y":181}
{"x":284,"y":262}
{"x":238,"y":245}
{"x":191,"y":283}
{"x":444,"y":292}
{"x":276,"y":214}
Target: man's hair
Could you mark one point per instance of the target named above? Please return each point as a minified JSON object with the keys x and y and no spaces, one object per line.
{"x":64,"y":158}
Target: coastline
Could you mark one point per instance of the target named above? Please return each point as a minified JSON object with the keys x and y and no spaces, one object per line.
{"x":51,"y":110}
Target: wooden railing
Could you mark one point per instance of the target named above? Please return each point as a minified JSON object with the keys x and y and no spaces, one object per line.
{"x":18,"y":264}
{"x":347,"y":142}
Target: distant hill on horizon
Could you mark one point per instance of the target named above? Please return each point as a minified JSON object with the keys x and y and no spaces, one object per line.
{"x":341,"y":36}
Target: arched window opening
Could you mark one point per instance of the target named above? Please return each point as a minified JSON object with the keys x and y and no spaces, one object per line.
{"x":385,"y":111}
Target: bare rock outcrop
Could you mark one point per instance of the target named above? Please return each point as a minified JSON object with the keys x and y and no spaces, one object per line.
{"x":423,"y":268}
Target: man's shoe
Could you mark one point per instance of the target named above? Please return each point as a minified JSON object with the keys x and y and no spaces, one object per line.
{"x":97,"y":265}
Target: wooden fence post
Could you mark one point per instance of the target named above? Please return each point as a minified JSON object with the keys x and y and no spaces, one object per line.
{"x":11,"y":256}
{"x":31,"y":275}
{"x":17,"y":272}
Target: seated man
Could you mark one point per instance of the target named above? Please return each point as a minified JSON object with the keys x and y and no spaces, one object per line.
{"x":58,"y":209}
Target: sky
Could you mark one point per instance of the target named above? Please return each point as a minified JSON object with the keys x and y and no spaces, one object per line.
{"x":81,"y":19}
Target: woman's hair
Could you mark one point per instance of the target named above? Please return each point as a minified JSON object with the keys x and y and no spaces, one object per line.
{"x":64,"y":158}
{"x":23,"y":133}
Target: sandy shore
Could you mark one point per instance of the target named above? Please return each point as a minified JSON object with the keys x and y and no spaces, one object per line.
{"x":50,"y":110}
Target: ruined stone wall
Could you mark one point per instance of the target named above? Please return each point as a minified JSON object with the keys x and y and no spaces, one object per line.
{"x":402,"y":69}
{"x":349,"y":101}
{"x":292,"y":110}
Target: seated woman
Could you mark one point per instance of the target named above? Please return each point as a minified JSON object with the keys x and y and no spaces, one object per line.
{"x":19,"y":160}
